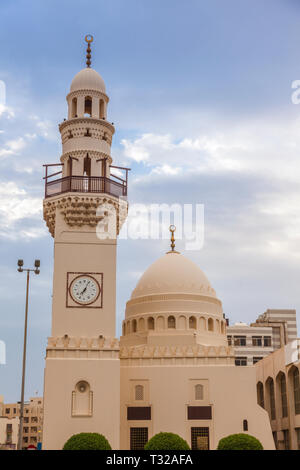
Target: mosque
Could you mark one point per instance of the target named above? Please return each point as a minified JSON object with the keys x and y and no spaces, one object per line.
{"x":172,"y":369}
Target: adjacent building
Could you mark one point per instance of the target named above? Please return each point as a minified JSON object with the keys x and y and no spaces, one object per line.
{"x":9,"y":430}
{"x":33,"y":419}
{"x":278,"y":391}
{"x":271,"y":331}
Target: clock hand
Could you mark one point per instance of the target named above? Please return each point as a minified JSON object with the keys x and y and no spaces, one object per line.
{"x":84,"y":288}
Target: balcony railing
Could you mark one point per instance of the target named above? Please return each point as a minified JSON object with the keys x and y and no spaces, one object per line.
{"x":85,"y":184}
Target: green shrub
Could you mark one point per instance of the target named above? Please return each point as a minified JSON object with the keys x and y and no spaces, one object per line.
{"x":87,"y":441}
{"x":240,"y":442}
{"x":167,"y":441}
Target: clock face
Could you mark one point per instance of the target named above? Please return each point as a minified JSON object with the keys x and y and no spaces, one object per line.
{"x":84,"y":290}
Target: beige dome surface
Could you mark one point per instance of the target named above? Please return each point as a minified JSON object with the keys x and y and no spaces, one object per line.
{"x":173,"y":273}
{"x":88,"y":79}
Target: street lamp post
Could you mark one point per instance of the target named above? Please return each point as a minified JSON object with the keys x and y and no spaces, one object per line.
{"x":36,"y":271}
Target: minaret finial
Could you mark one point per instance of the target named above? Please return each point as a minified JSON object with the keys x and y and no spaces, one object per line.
{"x":172,"y":229}
{"x":88,"y":38}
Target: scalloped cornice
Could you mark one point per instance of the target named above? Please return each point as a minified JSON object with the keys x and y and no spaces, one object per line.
{"x":78,"y":210}
{"x":86,"y":121}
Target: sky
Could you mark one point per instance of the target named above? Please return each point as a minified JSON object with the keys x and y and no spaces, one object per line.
{"x":201,"y":98}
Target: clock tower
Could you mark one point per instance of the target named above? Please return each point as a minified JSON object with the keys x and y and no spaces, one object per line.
{"x":85,"y":206}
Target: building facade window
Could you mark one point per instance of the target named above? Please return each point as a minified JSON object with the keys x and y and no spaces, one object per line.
{"x":275,"y":439}
{"x":150,"y":323}
{"x":138,"y":438}
{"x":272,"y":398}
{"x":240,"y":341}
{"x":88,"y":106}
{"x":139,"y":392}
{"x":198,"y":392}
{"x":260,"y":394}
{"x":267,"y":341}
{"x":286,"y":439}
{"x":284,"y":405}
{"x":240,"y":361}
{"x":229,"y":340}
{"x":256,"y":359}
{"x":256,"y":341}
{"x":298,"y":437}
{"x":296,"y":385}
{"x":200,"y":438}
{"x":171,"y":322}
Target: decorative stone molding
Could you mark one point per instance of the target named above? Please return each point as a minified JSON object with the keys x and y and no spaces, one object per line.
{"x":71,"y":342}
{"x":207,"y":290}
{"x":73,"y":347}
{"x":79,"y":210}
{"x":76,"y":128}
{"x":85,"y":121}
{"x":97,"y":93}
{"x":143,"y":351}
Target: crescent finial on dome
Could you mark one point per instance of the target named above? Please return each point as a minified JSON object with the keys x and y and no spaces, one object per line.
{"x":89,"y":39}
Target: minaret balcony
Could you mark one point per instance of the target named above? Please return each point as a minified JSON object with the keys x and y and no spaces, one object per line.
{"x":86,"y":184}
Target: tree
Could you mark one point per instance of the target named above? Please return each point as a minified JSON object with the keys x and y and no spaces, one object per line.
{"x":167,"y":441}
{"x":87,"y":441}
{"x":240,"y":442}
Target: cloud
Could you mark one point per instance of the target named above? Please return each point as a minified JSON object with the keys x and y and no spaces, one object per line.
{"x":12,"y":147}
{"x":263,"y":145}
{"x":20,"y":213}
{"x":6,"y":111}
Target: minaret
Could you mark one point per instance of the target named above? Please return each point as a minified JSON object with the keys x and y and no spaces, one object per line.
{"x":84,"y":208}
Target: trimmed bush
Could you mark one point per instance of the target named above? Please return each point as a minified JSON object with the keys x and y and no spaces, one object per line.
{"x":167,"y":441}
{"x":87,"y":441}
{"x":239,"y":442}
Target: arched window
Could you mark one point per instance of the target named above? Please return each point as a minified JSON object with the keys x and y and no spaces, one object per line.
{"x":283,"y":395}
{"x":192,"y":322}
{"x":88,"y":106}
{"x":82,"y":399}
{"x":87,"y":166}
{"x":245,"y":425}
{"x":210,"y":324}
{"x":271,"y":390}
{"x":134,"y":326}
{"x":141,"y":323}
{"x":260,"y":394}
{"x":202,"y":323}
{"x":150,"y":323}
{"x":198,"y":392}
{"x":171,"y":322}
{"x":74,"y":108}
{"x":124,"y":329}
{"x":139,"y":392}
{"x":296,"y":386}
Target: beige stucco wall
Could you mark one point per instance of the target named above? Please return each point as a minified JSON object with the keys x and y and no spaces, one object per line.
{"x":81,"y":251}
{"x":61,"y":377}
{"x":232,"y":395}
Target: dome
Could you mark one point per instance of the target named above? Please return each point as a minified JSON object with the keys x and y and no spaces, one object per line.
{"x":88,"y":79}
{"x":173,"y":273}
